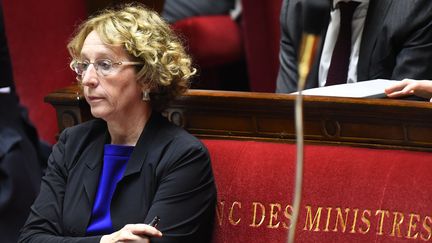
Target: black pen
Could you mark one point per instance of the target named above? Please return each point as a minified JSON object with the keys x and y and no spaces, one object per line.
{"x":155,"y":221}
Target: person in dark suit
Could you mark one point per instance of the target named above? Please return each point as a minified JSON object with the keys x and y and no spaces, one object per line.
{"x":109,"y":177}
{"x":391,"y":39}
{"x":20,"y":167}
{"x":20,"y":170}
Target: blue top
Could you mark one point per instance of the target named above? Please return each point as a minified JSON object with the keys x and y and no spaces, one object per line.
{"x":114,"y":164}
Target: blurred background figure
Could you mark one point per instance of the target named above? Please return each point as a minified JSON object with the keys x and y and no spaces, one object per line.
{"x":175,"y":10}
{"x":22,"y":158}
{"x":364,"y":40}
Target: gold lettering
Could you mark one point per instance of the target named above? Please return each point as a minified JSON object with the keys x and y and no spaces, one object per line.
{"x":342,"y":221}
{"x":230,"y":217}
{"x":412,"y":226}
{"x":274,"y":215}
{"x":428,"y":228}
{"x":329,"y":209}
{"x":254,"y":224}
{"x":288,"y":215}
{"x":381,"y":220}
{"x":396,"y":224}
{"x":354,"y":220}
{"x":312,"y":222}
{"x":366,"y":221}
{"x":220,"y":211}
{"x":343,"y":218}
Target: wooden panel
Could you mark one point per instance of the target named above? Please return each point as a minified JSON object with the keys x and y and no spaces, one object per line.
{"x":399,"y":124}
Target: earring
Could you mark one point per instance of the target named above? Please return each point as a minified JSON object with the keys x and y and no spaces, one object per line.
{"x":146,"y":95}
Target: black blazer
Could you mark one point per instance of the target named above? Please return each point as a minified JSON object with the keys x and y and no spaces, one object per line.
{"x":20,"y":170}
{"x":169,"y":174}
{"x":396,"y":43}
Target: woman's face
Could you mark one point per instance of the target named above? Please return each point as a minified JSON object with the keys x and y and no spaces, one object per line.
{"x":114,"y":96}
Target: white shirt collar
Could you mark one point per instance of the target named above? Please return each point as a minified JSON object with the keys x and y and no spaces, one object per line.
{"x":5,"y":90}
{"x":335,"y":2}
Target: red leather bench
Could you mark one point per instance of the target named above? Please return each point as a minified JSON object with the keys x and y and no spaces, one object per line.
{"x":349,"y":194}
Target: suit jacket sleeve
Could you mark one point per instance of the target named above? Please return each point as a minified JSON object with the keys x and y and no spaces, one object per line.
{"x":185,"y":195}
{"x":414,"y":58}
{"x":44,"y":223}
{"x":19,"y":181}
{"x":290,"y":39}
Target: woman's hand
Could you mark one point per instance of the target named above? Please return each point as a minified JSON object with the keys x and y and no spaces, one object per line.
{"x":421,"y":88}
{"x":132,"y":233}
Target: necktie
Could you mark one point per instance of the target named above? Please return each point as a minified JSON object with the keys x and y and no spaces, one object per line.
{"x":338,"y":70}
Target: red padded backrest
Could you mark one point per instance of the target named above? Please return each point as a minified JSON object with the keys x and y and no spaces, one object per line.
{"x":37,"y":33}
{"x":261,"y":37}
{"x":216,"y":45}
{"x":212,"y":40}
{"x":374,"y":195}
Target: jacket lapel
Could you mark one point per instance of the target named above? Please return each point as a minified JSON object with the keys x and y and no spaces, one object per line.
{"x":377,"y":12}
{"x":92,"y":156}
{"x":143,"y":146}
{"x":138,"y":165}
{"x":93,"y":160}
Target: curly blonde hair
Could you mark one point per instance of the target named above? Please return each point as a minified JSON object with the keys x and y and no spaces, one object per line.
{"x":146,"y":37}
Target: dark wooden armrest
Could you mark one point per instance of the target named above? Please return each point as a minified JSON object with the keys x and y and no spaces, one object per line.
{"x":385,"y":123}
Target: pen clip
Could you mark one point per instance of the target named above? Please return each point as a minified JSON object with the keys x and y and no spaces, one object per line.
{"x":155,"y":221}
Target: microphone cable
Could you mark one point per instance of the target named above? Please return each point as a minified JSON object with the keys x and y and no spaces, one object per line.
{"x":315,"y":17}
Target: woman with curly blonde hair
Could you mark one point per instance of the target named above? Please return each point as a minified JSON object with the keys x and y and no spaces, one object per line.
{"x":109,"y":177}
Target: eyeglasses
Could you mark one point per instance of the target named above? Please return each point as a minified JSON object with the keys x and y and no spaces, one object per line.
{"x":103,"y":67}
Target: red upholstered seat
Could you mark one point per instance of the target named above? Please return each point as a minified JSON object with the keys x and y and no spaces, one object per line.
{"x":217,"y":40}
{"x":216,"y":45}
{"x":349,"y":194}
{"x":212,"y":40}
{"x":261,"y":31}
{"x":37,"y":33}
